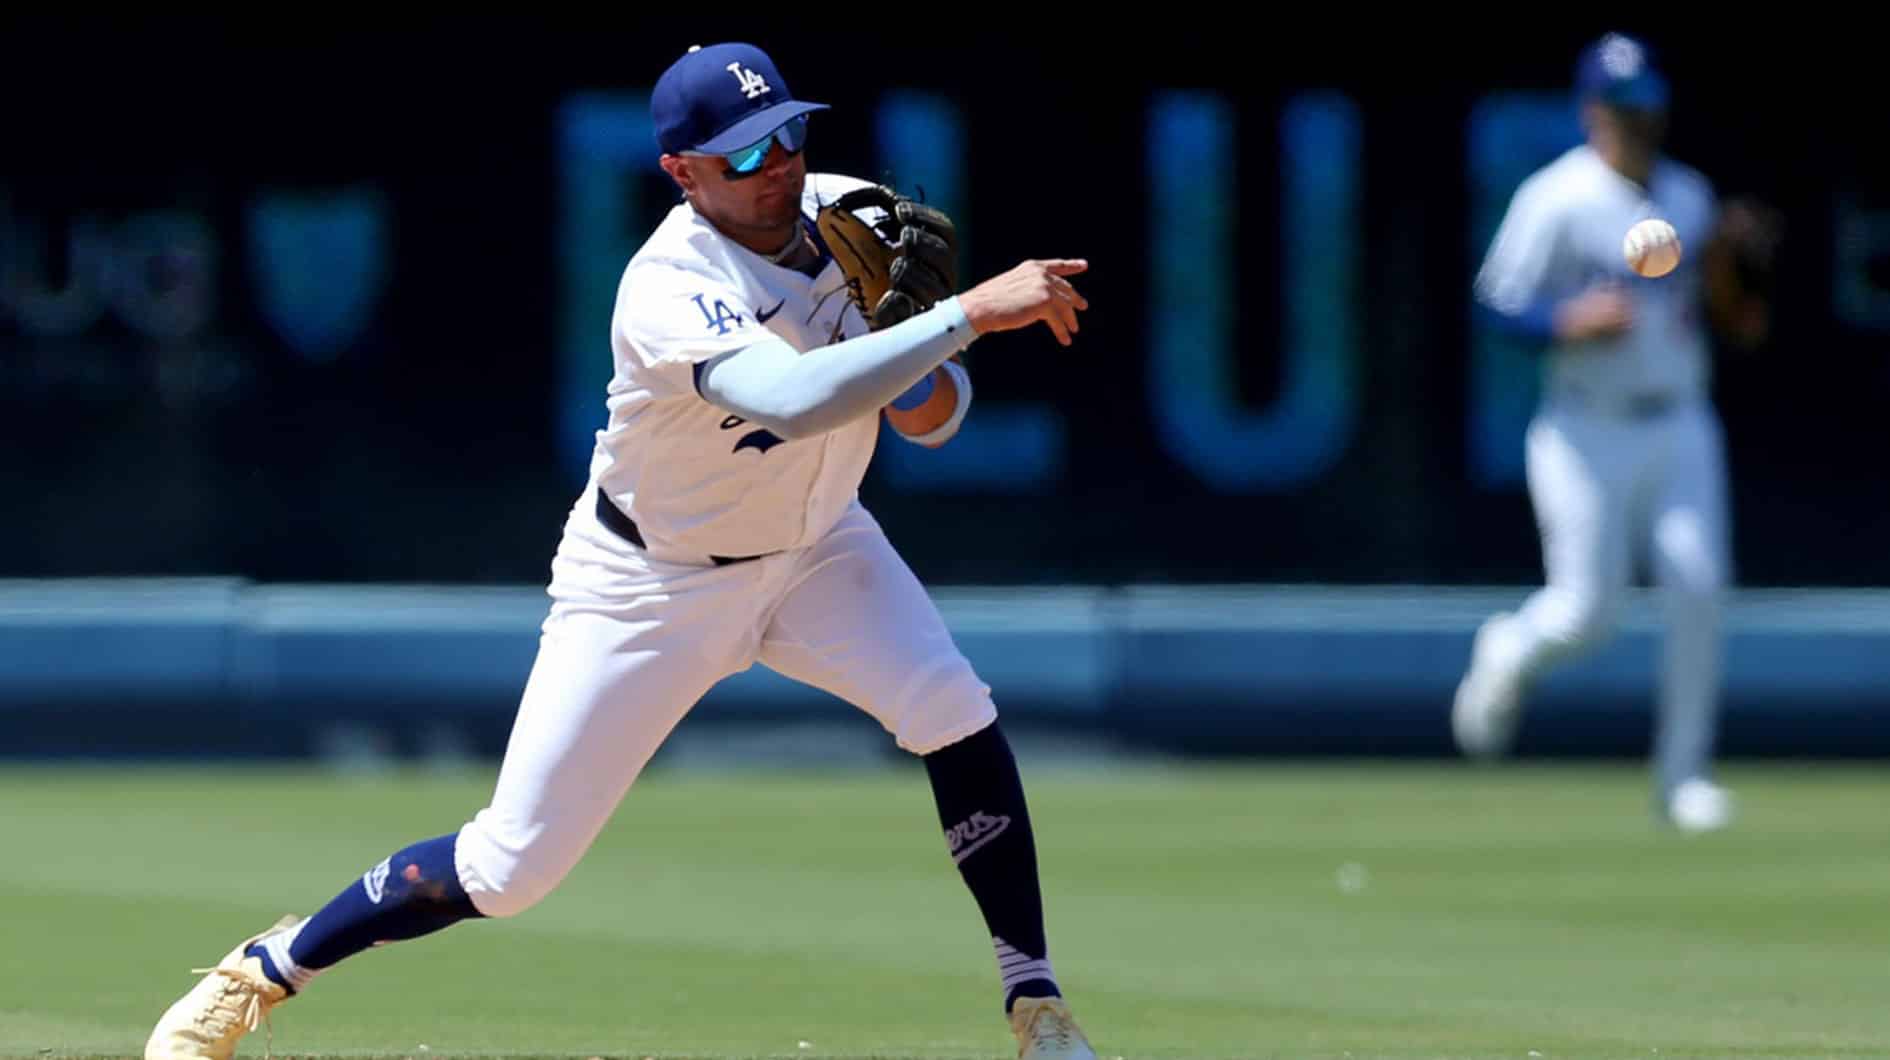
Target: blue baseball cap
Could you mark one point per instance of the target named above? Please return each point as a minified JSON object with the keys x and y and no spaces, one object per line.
{"x":1619,"y":69}
{"x":721,"y":98}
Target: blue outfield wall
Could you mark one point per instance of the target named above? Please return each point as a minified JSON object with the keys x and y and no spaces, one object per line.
{"x":209,"y":667}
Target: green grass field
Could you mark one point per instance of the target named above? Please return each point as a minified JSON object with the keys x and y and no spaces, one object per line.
{"x":1261,"y":911}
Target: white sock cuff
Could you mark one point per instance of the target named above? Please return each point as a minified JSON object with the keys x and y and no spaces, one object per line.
{"x":1016,"y":966}
{"x":277,"y":946}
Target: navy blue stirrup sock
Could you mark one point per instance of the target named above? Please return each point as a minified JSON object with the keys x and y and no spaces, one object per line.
{"x":987,"y":829}
{"x":412,"y":893}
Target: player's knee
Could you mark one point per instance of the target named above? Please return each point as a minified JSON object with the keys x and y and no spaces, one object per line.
{"x":942,"y":704}
{"x":1690,"y":565}
{"x":1695,"y":578}
{"x":1580,"y":620}
{"x":503,"y":874}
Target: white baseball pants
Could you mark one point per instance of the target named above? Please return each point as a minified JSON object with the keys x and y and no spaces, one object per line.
{"x":1609,"y":490}
{"x":631,"y":644}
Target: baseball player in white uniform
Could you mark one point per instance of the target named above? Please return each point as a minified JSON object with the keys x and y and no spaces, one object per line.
{"x":721,"y":527}
{"x":1624,"y":456}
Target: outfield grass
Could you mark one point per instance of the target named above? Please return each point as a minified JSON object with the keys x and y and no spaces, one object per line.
{"x":1264,"y":911}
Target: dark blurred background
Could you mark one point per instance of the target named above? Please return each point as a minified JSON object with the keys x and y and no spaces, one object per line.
{"x":319,"y":302}
{"x":308,"y":319}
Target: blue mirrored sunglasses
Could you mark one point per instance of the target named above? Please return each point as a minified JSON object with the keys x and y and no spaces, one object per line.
{"x":747,"y":161}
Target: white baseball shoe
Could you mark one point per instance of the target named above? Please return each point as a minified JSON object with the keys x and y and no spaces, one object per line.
{"x":230,"y":1001}
{"x":1699,"y":806}
{"x":1045,"y":1030}
{"x":1488,"y":705}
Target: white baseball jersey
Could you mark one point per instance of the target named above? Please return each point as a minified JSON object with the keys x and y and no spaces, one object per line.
{"x":1562,"y":235}
{"x":697,"y":480}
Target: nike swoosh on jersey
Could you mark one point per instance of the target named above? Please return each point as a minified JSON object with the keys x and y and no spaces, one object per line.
{"x":762,"y":316}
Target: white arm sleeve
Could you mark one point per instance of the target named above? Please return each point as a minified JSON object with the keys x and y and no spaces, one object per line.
{"x":1515,"y":271}
{"x":799,"y":395}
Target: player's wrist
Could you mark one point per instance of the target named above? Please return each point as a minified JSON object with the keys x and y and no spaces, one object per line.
{"x":956,"y":319}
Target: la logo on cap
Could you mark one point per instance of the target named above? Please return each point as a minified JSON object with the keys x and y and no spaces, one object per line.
{"x":1621,"y":57}
{"x":753,"y":84}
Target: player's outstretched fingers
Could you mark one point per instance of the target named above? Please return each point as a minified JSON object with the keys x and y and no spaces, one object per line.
{"x":1035,"y":290}
{"x":1066,"y":313}
{"x":1057,"y":327}
{"x":1068,"y":292}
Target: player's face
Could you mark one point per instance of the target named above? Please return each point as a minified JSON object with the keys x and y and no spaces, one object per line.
{"x":756,"y":193}
{"x":769,"y":196}
{"x":1642,"y":126}
{"x":1638,"y":130}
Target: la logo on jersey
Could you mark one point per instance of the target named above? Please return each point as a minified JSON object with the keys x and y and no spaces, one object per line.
{"x":721,"y":318}
{"x":753,"y":84}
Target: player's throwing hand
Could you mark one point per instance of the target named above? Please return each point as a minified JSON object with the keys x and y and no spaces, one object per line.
{"x":1033,"y":291}
{"x":1600,"y":313}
